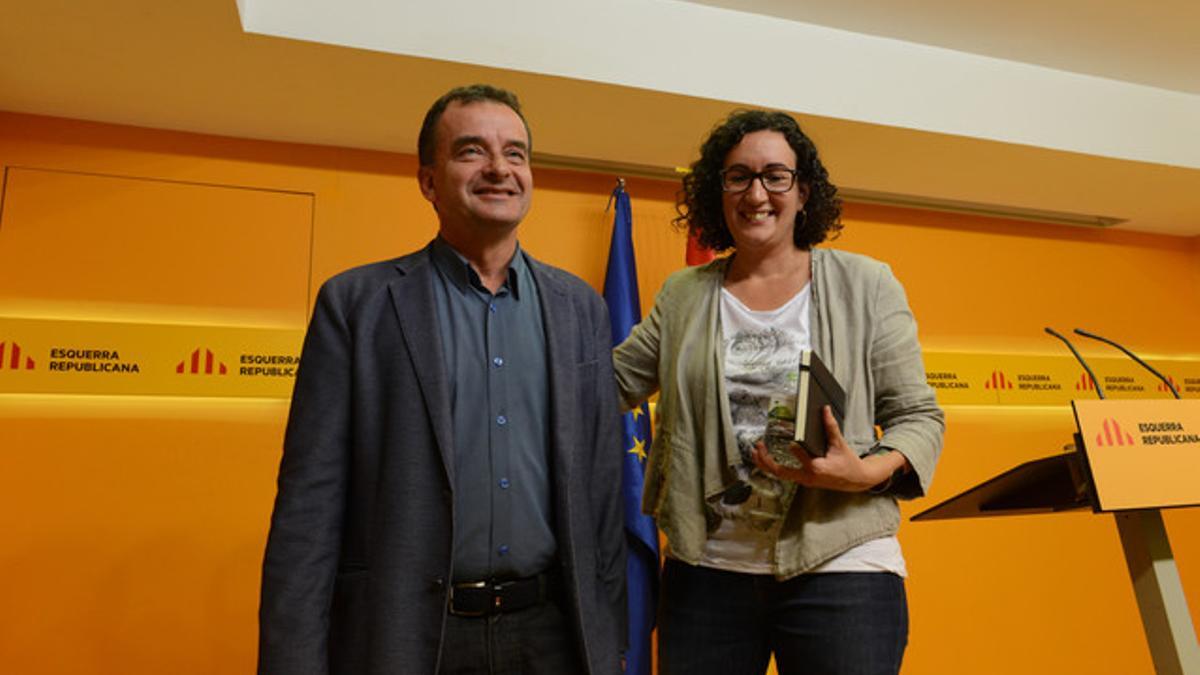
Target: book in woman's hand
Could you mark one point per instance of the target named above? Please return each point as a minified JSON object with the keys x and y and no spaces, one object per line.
{"x":815,"y":389}
{"x":798,"y":419}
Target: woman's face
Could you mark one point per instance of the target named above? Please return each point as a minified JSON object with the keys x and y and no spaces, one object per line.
{"x":756,"y":218}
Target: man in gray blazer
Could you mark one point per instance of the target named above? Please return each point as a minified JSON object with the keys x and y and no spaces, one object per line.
{"x":449,"y":491}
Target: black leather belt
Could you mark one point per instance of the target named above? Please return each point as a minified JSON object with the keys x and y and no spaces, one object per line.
{"x":497,"y":596}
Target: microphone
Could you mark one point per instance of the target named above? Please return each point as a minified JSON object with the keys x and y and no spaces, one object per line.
{"x":1086,"y":367}
{"x":1147,"y":366}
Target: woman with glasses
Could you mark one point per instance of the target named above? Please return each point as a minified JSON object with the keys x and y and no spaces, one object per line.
{"x":794,"y":556}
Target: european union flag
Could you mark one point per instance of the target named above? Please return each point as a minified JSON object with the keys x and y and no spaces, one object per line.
{"x":624,"y":309}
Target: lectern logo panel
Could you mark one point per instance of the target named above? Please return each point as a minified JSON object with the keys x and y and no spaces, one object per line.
{"x":1141,"y":453}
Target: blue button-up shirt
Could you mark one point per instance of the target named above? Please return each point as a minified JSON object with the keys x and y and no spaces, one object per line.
{"x":495,"y":355}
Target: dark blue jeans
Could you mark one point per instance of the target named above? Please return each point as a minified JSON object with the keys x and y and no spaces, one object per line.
{"x":726,"y":623}
{"x":534,"y":641}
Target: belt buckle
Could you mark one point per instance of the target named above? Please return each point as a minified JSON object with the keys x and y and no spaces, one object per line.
{"x":472,"y":584}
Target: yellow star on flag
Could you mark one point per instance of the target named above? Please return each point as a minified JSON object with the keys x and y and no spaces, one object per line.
{"x":639,"y":449}
{"x":637,"y":412}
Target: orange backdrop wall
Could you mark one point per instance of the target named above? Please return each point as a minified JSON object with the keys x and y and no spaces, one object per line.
{"x":133,"y":526}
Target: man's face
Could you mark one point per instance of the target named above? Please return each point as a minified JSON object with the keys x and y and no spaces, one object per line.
{"x":480,"y":177}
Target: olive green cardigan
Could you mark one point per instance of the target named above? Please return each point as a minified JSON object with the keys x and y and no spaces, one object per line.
{"x":861,"y":327}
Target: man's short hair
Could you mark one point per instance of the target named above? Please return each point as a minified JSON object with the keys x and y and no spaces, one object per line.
{"x":427,"y":141}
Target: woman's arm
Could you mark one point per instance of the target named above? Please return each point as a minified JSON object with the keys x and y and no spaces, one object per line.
{"x":635,"y":361}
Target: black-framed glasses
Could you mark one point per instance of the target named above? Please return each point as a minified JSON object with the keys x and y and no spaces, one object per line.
{"x":775,"y":180}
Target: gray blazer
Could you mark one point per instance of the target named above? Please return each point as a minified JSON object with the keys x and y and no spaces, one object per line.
{"x":359,"y":554}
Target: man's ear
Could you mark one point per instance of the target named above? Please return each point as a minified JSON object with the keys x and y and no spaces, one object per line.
{"x":425,"y":180}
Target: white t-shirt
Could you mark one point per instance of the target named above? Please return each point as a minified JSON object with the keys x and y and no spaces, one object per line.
{"x":762,"y":356}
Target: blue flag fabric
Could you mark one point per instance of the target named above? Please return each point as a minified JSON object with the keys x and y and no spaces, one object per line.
{"x":624,"y":309}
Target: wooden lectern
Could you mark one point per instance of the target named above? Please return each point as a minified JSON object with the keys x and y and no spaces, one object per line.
{"x":1131,"y":458}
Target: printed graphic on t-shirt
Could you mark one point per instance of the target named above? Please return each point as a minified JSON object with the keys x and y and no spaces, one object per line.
{"x":760,"y":373}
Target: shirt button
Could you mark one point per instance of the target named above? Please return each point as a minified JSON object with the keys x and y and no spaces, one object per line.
{"x":497,"y":361}
{"x":503,"y":550}
{"x":492,"y":307}
{"x":504,"y":483}
{"x":501,"y":420}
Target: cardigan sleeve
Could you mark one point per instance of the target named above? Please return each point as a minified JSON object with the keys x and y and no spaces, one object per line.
{"x":635,"y":360}
{"x":905,"y":405}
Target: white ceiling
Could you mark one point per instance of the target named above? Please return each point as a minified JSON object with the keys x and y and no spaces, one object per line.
{"x":892,"y":117}
{"x":1153,"y":42}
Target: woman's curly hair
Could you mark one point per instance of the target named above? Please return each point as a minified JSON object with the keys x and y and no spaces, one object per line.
{"x":699,"y":202}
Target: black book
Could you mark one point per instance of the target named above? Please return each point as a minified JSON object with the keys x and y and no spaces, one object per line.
{"x":800,"y":420}
{"x":816,"y":389}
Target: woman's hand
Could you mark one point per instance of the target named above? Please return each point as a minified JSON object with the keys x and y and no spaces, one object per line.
{"x":840,"y":469}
